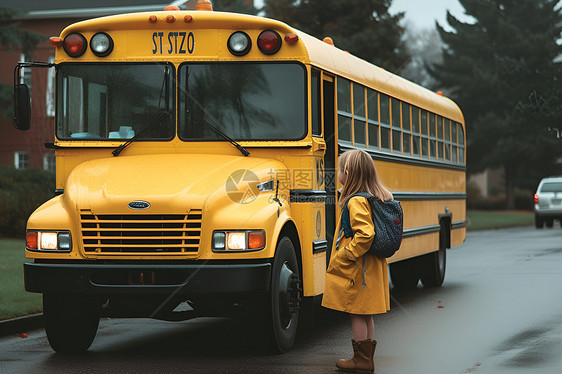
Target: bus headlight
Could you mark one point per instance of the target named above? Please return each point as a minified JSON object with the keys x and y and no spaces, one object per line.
{"x":59,"y":241}
{"x":239,"y":43}
{"x":250,"y":240}
{"x":101,"y":44}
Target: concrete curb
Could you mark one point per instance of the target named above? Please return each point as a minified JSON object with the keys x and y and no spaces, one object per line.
{"x":21,"y":324}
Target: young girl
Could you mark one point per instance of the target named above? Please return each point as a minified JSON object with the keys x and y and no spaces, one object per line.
{"x":357,"y":282}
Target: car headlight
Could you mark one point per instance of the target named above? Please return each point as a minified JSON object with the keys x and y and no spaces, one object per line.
{"x":249,"y":240}
{"x":59,"y":241}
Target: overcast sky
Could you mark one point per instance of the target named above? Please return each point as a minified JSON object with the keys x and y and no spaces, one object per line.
{"x":424,"y":13}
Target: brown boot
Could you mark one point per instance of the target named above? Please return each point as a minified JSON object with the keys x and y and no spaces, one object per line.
{"x":362,"y":360}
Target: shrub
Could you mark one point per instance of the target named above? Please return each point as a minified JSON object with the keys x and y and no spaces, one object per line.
{"x":21,"y":192}
{"x":524,"y":199}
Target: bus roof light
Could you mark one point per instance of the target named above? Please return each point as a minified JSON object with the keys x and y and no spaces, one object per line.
{"x":152,"y":19}
{"x":170,"y":18}
{"x":291,"y":38}
{"x":239,"y":43}
{"x":269,"y":42}
{"x":75,"y":44}
{"x":329,"y":41}
{"x":55,"y":41}
{"x":188,"y":18}
{"x":171,"y":8}
{"x":101,"y":44}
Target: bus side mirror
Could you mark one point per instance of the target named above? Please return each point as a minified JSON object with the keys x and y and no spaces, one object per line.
{"x":22,"y":107}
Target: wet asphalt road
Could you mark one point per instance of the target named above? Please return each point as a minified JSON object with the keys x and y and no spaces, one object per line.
{"x":499,"y":311}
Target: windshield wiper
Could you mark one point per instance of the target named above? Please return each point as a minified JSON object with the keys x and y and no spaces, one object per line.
{"x":146,"y":129}
{"x":200,"y":119}
{"x":163,"y":91}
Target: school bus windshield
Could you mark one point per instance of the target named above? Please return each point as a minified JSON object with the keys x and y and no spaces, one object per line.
{"x":247,"y":101}
{"x":115,"y":101}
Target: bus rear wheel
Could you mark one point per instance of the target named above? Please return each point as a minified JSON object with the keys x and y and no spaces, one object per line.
{"x":285,"y":297}
{"x":71,"y":321}
{"x":432,"y":272}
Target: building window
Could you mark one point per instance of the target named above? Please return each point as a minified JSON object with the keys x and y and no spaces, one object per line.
{"x":49,"y":163}
{"x":50,"y":96}
{"x":21,"y":159}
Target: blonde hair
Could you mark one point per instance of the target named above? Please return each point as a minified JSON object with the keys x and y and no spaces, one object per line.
{"x":362,"y":176}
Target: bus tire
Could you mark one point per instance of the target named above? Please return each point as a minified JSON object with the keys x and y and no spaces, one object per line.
{"x":432,"y":272}
{"x":285,"y":297}
{"x":71,"y":321}
{"x":404,"y":275}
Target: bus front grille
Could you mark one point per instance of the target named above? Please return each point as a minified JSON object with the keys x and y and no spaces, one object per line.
{"x":141,"y":233}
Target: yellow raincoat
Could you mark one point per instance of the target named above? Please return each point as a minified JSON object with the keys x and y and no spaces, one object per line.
{"x":357,"y":282}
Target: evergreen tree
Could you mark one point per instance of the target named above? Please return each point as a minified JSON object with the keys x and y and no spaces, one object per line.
{"x":237,"y":6}
{"x":362,"y":27}
{"x":493,"y":67}
{"x":11,"y":37}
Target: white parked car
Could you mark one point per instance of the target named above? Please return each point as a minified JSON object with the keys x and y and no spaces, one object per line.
{"x":548,"y":202}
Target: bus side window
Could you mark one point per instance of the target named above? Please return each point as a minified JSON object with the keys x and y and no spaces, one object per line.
{"x":416,"y":131}
{"x":344,"y":109}
{"x":455,"y":142}
{"x":432,"y":146}
{"x":396,"y":130}
{"x":373,"y":114}
{"x":406,"y":128}
{"x":424,"y":137}
{"x":440,"y":137}
{"x":461,"y":143}
{"x":360,"y":132}
{"x":385,"y":121}
{"x":315,"y":102}
{"x":447,"y":131}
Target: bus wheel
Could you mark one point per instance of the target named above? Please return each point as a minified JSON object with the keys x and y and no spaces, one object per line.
{"x":286,"y":294}
{"x":404,"y":274}
{"x":71,"y":321}
{"x":432,"y":272}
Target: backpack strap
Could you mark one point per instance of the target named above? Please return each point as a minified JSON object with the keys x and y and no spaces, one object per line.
{"x":345,"y":220}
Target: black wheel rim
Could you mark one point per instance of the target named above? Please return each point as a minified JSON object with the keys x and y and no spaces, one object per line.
{"x":289,"y":295}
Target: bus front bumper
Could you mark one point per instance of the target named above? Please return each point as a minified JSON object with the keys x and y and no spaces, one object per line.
{"x":156,"y":279}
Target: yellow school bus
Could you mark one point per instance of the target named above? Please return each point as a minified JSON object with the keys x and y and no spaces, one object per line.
{"x":195,"y":170}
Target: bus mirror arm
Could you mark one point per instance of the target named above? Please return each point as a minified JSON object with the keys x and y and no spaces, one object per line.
{"x":276,"y":198}
{"x":22,"y":102}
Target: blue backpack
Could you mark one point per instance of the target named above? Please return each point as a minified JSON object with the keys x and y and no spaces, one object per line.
{"x":388,"y":220}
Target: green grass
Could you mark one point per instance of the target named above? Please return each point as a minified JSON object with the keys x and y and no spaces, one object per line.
{"x":484,"y":220}
{"x":14,"y":300}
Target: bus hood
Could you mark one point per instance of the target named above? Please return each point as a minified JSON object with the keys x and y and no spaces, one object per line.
{"x":169,"y":183}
